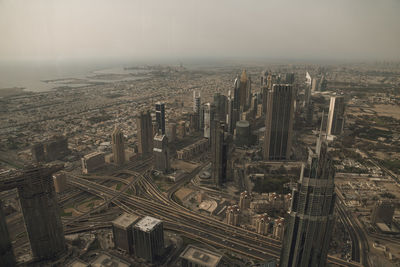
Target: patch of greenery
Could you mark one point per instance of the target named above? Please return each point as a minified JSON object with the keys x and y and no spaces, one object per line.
{"x":65,"y":214}
{"x":118,"y":187}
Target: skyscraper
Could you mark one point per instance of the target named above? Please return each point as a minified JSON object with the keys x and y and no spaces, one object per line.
{"x":279,"y":122}
{"x":209,"y":115}
{"x":118,"y":149}
{"x":145,"y":133}
{"x":289,"y":77}
{"x":220,"y":102}
{"x":196,"y":102}
{"x":233,"y":114}
{"x":160,"y":152}
{"x":336,"y":115}
{"x":244,"y":92}
{"x":7,"y":257}
{"x":160,"y":117}
{"x":310,"y":219}
{"x":217,"y":142}
{"x":148,"y":238}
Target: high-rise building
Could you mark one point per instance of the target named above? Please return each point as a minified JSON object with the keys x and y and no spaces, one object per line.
{"x":336,"y":115}
{"x":278,"y":228}
{"x":118,"y":148}
{"x":323,"y":84}
{"x":263,"y":223}
{"x":307,"y":96}
{"x":310,"y":113}
{"x":92,"y":162}
{"x":233,"y":215}
{"x":279,"y":122}
{"x":199,"y":257}
{"x":308,"y":78}
{"x":217,"y":153}
{"x":310,"y":220}
{"x":160,"y":117}
{"x":60,"y":182}
{"x":160,"y":152}
{"x":148,"y":236}
{"x":244,"y":200}
{"x":7,"y":257}
{"x":289,"y":78}
{"x":123,"y":232}
{"x":244,"y":91}
{"x":53,"y":149}
{"x":220,"y":103}
{"x":314,"y":84}
{"x":196,"y":102}
{"x":145,"y":133}
{"x":40,"y":211}
{"x":233,"y":114}
{"x":209,"y":115}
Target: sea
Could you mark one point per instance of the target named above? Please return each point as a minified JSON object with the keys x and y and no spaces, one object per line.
{"x":32,"y":76}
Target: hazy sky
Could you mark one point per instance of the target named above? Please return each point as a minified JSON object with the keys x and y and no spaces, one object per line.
{"x":178,"y":29}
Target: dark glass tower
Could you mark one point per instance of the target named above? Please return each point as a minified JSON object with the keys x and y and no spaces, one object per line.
{"x":160,"y":117}
{"x":310,"y":220}
{"x":279,"y":122}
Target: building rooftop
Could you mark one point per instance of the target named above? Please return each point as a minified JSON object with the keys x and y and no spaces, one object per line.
{"x":106,"y":260}
{"x":92,"y":155}
{"x":77,"y":263}
{"x":125,"y":220}
{"x":201,"y":256}
{"x":147,"y":223}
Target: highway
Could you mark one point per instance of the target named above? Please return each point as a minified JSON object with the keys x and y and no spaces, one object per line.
{"x":196,"y":226}
{"x":359,"y":241}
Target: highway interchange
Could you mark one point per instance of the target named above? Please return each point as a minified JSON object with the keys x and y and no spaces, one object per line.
{"x":177,"y":218}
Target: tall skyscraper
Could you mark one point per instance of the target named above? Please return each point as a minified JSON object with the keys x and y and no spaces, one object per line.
{"x":279,"y":122}
{"x":160,"y":117}
{"x":217,"y":141}
{"x":336,"y":115}
{"x":289,"y":77}
{"x":196,"y":102}
{"x":145,"y":133}
{"x":209,"y":115}
{"x":123,"y":232}
{"x":7,"y":257}
{"x":40,"y":210}
{"x":118,"y":148}
{"x":221,"y":144}
{"x":160,"y":152}
{"x":310,"y":219}
{"x":220,"y":103}
{"x":148,"y":238}
{"x":244,"y":92}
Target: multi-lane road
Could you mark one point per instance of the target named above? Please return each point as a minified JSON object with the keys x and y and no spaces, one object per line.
{"x":196,"y":226}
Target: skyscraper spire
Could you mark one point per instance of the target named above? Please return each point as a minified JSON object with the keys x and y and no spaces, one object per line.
{"x":310,"y":220}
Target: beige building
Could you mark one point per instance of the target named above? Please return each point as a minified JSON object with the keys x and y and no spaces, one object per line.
{"x":233,"y":215}
{"x":60,"y":182}
{"x":92,"y":162}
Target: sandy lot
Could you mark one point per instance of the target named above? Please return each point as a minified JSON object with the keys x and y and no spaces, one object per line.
{"x":388,"y":110}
